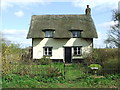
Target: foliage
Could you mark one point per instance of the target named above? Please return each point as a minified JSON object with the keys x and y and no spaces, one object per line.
{"x":92,"y":57}
{"x":10,"y":53}
{"x":107,"y":58}
{"x":44,"y":61}
{"x":84,"y":81}
{"x":16,"y":81}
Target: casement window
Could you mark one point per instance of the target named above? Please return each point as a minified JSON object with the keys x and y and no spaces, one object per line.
{"x":49,"y":33}
{"x":47,"y":51}
{"x":76,"y":34}
{"x":77,"y":50}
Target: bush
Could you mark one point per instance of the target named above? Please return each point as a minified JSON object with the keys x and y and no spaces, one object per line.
{"x":54,"y":72}
{"x":10,"y":54}
{"x":44,"y":61}
{"x":107,"y":58}
{"x":111,"y":66}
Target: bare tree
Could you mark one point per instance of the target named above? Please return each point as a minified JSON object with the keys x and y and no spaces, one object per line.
{"x":114,"y":35}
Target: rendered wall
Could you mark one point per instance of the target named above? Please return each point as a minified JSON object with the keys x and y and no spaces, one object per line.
{"x":58,"y":46}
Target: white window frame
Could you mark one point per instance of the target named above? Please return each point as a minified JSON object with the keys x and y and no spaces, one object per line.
{"x":47,"y":51}
{"x":78,"y":50}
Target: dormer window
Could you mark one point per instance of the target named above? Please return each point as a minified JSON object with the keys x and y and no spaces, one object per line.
{"x":49,"y":33}
{"x":76,"y":33}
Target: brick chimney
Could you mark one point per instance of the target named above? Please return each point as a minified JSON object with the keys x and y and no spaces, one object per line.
{"x":88,"y":10}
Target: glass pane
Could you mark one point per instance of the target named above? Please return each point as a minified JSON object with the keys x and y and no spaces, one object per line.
{"x":50,"y":49}
{"x":76,"y":33}
{"x":78,"y":48}
{"x":45,"y":53}
{"x":49,"y":34}
{"x":75,"y":48}
{"x":75,"y":52}
{"x":78,"y":52}
{"x":50,"y":53}
{"x":45,"y":49}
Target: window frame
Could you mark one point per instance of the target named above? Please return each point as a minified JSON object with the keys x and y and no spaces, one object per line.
{"x":47,"y":51}
{"x":78,"y":50}
{"x":76,"y":34}
{"x":50,"y":33}
{"x":77,"y":31}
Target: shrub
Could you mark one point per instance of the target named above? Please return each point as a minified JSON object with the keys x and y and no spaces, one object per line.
{"x":107,"y":58}
{"x":10,"y":54}
{"x":44,"y":61}
{"x":54,"y":72}
{"x":111,"y":66}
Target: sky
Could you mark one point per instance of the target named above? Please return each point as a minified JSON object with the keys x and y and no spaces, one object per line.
{"x":15,"y":16}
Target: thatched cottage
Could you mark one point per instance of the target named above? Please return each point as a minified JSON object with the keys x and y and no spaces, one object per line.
{"x":62,"y":37}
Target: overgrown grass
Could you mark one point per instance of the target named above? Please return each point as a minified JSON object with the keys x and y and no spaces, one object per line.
{"x":74,"y":79}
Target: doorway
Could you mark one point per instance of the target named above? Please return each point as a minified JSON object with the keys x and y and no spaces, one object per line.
{"x":68,"y":54}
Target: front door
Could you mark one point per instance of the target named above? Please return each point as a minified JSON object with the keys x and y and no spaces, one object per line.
{"x":68,"y":54}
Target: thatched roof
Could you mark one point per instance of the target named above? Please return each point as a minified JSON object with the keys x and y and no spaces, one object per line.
{"x":62,"y":24}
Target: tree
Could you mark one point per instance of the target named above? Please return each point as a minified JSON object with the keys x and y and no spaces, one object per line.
{"x":114,"y":35}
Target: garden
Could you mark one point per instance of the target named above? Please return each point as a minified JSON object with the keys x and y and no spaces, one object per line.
{"x":100,"y":70}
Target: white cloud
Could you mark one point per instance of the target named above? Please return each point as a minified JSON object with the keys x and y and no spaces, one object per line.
{"x":19,"y":13}
{"x":94,"y":3}
{"x":107,"y":25}
{"x":77,"y":3}
{"x":17,"y":36}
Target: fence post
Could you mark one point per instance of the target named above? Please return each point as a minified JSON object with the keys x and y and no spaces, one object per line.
{"x":64,"y":70}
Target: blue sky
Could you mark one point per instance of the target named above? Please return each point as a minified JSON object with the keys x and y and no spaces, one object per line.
{"x":16,"y":16}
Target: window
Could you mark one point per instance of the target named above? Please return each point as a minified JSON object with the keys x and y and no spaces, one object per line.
{"x":76,"y":33}
{"x":48,"y":51}
{"x":77,"y":51}
{"x":49,"y":33}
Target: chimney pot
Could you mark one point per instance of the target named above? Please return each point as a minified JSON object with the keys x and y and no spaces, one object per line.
{"x":87,"y":6}
{"x":88,"y":10}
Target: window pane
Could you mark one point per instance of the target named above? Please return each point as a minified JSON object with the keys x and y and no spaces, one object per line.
{"x":49,"y":34}
{"x":75,"y":52}
{"x":50,"y":49}
{"x":76,"y":33}
{"x":78,"y":52}
{"x":45,"y":49}
{"x":75,"y":48}
{"x":78,"y":48}
{"x":50,"y":53}
{"x":45,"y":53}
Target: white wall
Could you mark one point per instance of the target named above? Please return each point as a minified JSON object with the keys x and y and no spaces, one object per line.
{"x":57,"y":44}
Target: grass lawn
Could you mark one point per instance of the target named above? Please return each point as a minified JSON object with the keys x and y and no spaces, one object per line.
{"x":39,"y":76}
